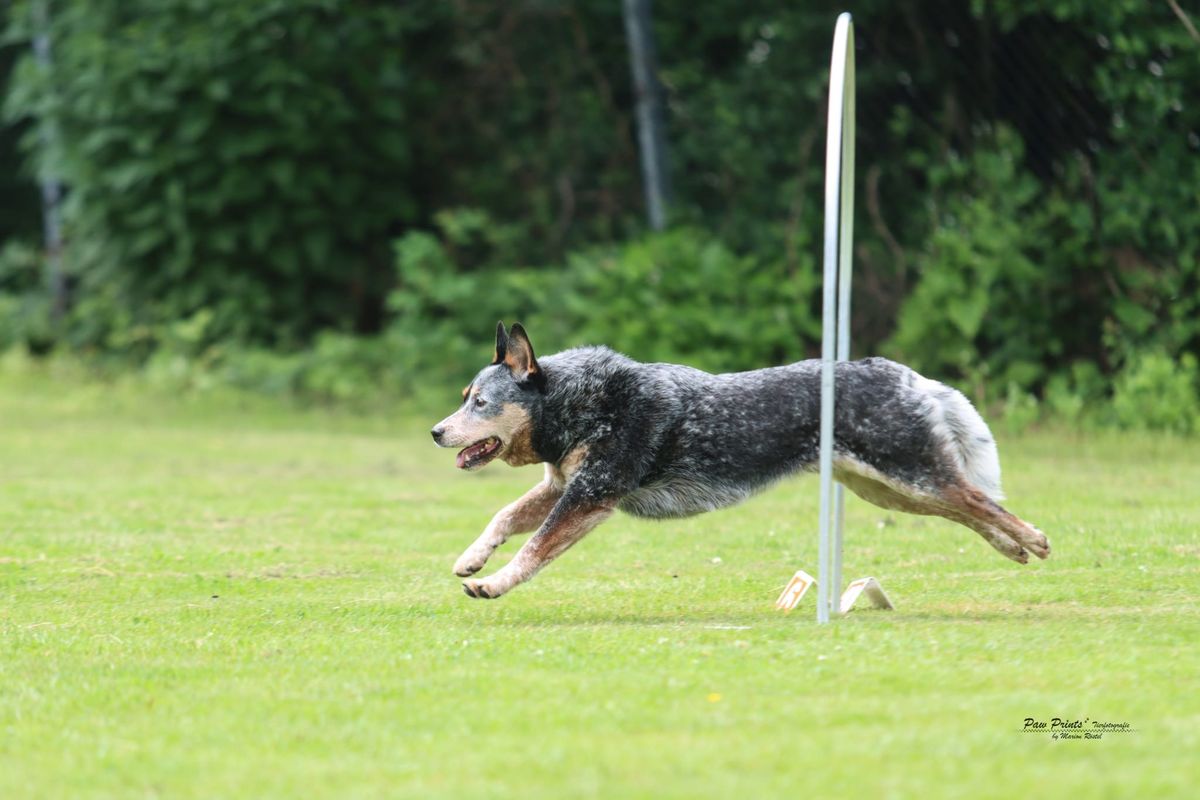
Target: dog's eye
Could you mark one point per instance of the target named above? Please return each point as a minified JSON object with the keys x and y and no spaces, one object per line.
{"x":480,"y":402}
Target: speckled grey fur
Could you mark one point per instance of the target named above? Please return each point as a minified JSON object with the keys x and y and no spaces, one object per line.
{"x":669,"y":440}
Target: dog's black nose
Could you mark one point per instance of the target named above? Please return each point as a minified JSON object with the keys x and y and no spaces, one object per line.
{"x":437,"y":433}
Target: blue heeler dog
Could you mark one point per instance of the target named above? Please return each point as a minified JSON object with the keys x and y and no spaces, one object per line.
{"x":663,"y":440}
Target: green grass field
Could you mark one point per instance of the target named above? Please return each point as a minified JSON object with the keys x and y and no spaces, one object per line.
{"x":225,"y":598}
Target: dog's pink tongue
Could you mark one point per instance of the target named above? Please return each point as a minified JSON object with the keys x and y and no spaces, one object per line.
{"x":466,"y":454}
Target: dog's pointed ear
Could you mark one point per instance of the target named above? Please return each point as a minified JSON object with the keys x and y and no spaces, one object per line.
{"x":501,"y":343}
{"x":520,"y":358}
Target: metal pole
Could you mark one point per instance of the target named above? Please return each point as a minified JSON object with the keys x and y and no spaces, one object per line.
{"x":651,"y":141}
{"x":845,"y":245}
{"x":837,"y":259}
{"x":51,"y":188}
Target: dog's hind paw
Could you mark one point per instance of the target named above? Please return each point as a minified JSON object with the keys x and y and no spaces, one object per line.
{"x":1037,"y":543}
{"x":1008,"y":547}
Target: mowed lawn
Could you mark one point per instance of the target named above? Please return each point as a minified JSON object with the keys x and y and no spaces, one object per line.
{"x":221,"y":598}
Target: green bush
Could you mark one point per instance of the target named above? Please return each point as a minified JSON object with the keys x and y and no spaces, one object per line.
{"x":24,"y":306}
{"x":20,"y":206}
{"x":443,"y":311}
{"x":353,"y":370}
{"x":684,"y":296}
{"x":1021,"y":409}
{"x":1156,"y":392}
{"x":996,"y":274}
{"x":248,"y":158}
{"x":239,"y":169}
{"x":1078,"y":395}
{"x":24,"y":322}
{"x":674,"y":296}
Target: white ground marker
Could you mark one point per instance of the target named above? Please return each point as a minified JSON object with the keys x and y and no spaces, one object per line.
{"x":794,"y":591}
{"x":800,"y":583}
{"x":868,"y":586}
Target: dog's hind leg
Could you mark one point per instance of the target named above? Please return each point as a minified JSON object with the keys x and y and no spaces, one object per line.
{"x":521,"y":516}
{"x":972,"y":507}
{"x":962,"y":503}
{"x":968,"y":480}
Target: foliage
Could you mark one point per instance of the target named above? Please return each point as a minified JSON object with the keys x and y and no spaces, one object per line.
{"x":445,"y":307}
{"x":19,"y":202}
{"x":1026,"y":211}
{"x":525,"y":109}
{"x":227,"y":156}
{"x":1020,"y":409}
{"x":676,"y":296}
{"x":1157,"y":392}
{"x":357,"y":371}
{"x":1075,"y":394}
{"x":685,"y":296}
{"x":24,"y":306}
{"x":981,"y":257}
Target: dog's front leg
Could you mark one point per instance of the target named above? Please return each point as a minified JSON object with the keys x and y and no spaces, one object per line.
{"x":569,"y":522}
{"x":520,"y":516}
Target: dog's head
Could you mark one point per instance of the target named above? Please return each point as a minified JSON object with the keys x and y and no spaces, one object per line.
{"x":499,"y":406}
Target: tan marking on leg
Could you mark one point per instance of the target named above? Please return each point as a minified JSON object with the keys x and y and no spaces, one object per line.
{"x":964,"y":504}
{"x":881,"y":493}
{"x":998,"y":539}
{"x":525,"y":514}
{"x":567,"y":467}
{"x":561,"y":530}
{"x":981,"y":509}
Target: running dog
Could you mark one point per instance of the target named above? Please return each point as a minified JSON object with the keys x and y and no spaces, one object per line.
{"x":663,"y":440}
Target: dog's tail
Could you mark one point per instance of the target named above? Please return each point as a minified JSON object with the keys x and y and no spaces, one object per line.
{"x":974,"y":444}
{"x":965,"y":434}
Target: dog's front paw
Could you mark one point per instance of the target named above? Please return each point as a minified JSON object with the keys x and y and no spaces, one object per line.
{"x":492,"y":586}
{"x":471,"y":562}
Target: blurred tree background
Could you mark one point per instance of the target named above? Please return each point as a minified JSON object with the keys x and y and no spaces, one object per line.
{"x":330,"y":197}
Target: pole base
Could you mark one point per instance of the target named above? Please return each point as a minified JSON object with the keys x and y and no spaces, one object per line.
{"x":801,"y":582}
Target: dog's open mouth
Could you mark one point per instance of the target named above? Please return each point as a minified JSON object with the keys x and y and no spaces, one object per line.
{"x":479,"y":453}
